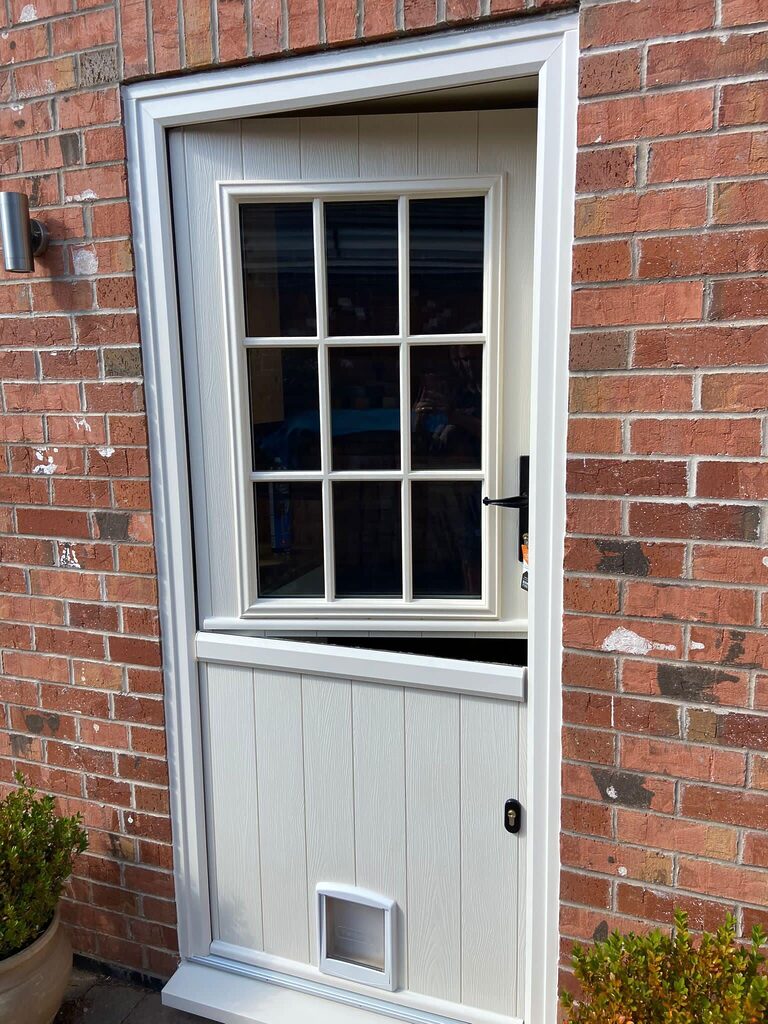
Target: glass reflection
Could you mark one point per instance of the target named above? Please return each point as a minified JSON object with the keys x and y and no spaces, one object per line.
{"x":289,"y":534}
{"x":446,"y":265}
{"x":278,"y":270}
{"x":446,"y":406}
{"x":365,"y":407}
{"x":367,"y":538}
{"x":361,"y":260}
{"x":447,"y":554}
{"x":285,"y":417}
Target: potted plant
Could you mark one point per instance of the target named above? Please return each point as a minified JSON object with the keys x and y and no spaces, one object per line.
{"x":663,"y":978}
{"x":37,"y":848}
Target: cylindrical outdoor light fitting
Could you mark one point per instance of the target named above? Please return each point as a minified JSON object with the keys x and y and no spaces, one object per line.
{"x":23,"y":239}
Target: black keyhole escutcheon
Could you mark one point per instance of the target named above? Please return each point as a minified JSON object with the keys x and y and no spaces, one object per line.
{"x":513,"y":815}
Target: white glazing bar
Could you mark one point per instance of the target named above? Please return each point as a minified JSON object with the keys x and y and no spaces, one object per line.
{"x":325,"y":397}
{"x":405,"y":398}
{"x":307,"y":475}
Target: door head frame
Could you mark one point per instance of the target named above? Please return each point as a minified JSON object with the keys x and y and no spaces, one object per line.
{"x":547,"y":47}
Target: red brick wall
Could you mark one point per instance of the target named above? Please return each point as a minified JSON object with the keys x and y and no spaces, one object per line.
{"x":666,"y":756}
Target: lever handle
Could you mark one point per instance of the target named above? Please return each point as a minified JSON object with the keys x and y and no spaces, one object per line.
{"x":519,"y":501}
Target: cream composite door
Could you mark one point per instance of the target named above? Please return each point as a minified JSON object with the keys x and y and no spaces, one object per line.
{"x":355,"y":304}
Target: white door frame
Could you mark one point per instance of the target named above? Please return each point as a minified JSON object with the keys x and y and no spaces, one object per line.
{"x":545,"y":46}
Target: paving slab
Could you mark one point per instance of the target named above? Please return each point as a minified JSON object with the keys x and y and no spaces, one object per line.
{"x":95,"y":999}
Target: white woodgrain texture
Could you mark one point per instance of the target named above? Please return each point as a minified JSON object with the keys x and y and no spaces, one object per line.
{"x":211,"y":153}
{"x":279,"y":763}
{"x":388,"y":146}
{"x":448,"y":143}
{"x":329,"y":148}
{"x":507,"y":144}
{"x":271,"y":149}
{"x":434,"y":843}
{"x":379,"y":764}
{"x":328,"y":788}
{"x":232,"y":806}
{"x":489,"y":854}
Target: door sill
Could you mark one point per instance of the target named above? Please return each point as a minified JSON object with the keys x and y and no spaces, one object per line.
{"x":240,"y":994}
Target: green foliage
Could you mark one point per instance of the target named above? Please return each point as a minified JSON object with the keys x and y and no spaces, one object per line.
{"x":37,"y":848}
{"x":667,"y":979}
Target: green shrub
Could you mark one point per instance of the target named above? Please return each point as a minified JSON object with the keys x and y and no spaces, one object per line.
{"x":668,"y":979}
{"x":37,"y":848}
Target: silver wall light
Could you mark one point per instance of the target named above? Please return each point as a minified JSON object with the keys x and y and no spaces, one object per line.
{"x":23,"y":239}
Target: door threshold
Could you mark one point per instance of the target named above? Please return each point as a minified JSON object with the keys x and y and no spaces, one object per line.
{"x":241,"y":994}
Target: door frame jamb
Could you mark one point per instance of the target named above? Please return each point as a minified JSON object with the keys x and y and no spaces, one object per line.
{"x":546,"y":46}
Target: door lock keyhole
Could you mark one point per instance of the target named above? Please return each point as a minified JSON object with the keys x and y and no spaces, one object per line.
{"x":513,"y":814}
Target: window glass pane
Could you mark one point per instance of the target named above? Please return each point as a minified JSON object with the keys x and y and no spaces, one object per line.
{"x":361,"y":259}
{"x":289,"y":531}
{"x":366,"y":531}
{"x":446,"y":538}
{"x":446,"y":265}
{"x":278,"y":270}
{"x":446,"y":406}
{"x":365,"y":407}
{"x":285,"y":414}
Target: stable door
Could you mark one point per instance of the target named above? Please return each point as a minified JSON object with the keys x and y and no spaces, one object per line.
{"x":355,"y":301}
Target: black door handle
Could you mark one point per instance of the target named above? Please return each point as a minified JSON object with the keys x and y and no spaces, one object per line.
{"x":520,"y":501}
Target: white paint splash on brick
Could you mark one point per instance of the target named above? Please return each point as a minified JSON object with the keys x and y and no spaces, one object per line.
{"x":628,"y":642}
{"x":28,"y":13}
{"x":85,"y":262}
{"x":611,"y":793}
{"x":106,"y":451}
{"x":623,"y":871}
{"x":82,"y":424}
{"x":45,"y":464}
{"x":765,"y":562}
{"x":67,"y":556}
{"x":80,"y":197}
{"x":696,"y":646}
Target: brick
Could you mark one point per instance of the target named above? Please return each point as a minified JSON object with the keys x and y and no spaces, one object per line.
{"x":696,"y":437}
{"x":741,"y":202}
{"x":741,"y":298}
{"x":727,"y":563}
{"x":82,"y":31}
{"x":714,"y":156}
{"x":626,"y":477}
{"x":696,"y":60}
{"x":735,"y":252}
{"x":745,"y":480}
{"x":52,"y":522}
{"x":600,"y":169}
{"x":701,"y":347}
{"x":644,"y":117}
{"x":35,"y":666}
{"x":623,"y":557}
{"x":341,"y":20}
{"x":612,"y":393}
{"x":84,"y":109}
{"x":379,"y":19}
{"x":23,"y":44}
{"x":588,"y":515}
{"x":599,"y":350}
{"x":693,"y":604}
{"x":736,"y":647}
{"x":629,"y":212}
{"x":591,"y":595}
{"x":592,"y":633}
{"x":696,"y":521}
{"x":598,"y":435}
{"x":744,"y":104}
{"x":135,"y":45}
{"x":602,"y":261}
{"x":684,"y":760}
{"x":622,"y":22}
{"x":608,"y":73}
{"x":608,"y":858}
{"x":646,"y":717}
{"x":619,"y":305}
{"x":663,"y":833}
{"x":660,"y":906}
{"x":722,"y":880}
{"x":742,"y":12}
{"x":134,"y":652}
{"x":45,"y":78}
{"x":107,"y":182}
{"x":687,"y":682}
{"x":109,"y":328}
